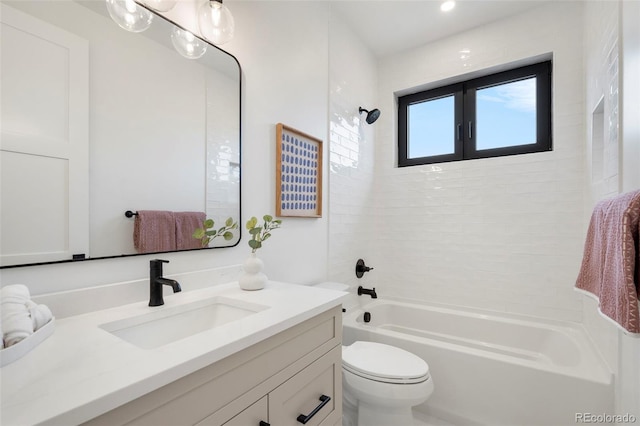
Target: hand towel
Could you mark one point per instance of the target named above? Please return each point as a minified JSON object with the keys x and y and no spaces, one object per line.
{"x":154,"y":231}
{"x":186,"y":223}
{"x":40,"y":315}
{"x":16,"y":322}
{"x":15,"y":293}
{"x":610,"y":268}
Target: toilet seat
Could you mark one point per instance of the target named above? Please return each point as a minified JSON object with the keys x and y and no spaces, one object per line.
{"x":384,"y":363}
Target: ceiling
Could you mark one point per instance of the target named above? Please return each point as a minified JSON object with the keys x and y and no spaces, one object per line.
{"x":391,"y":26}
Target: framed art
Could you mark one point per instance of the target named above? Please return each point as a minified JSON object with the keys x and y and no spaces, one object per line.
{"x":298,"y":173}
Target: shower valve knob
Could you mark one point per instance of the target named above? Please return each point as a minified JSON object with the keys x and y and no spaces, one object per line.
{"x":361,"y":268}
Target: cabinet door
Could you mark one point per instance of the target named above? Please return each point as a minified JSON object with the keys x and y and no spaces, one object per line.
{"x":304,"y":393}
{"x":254,"y":415}
{"x":44,"y":155}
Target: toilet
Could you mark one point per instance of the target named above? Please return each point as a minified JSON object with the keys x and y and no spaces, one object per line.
{"x":381,"y":383}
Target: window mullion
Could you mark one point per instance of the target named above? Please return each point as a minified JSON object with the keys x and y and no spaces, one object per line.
{"x":469,"y":122}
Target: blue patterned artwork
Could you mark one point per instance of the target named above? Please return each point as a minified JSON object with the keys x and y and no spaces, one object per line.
{"x":299,"y":174}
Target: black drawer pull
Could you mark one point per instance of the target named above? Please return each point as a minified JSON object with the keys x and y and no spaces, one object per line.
{"x":263,"y":423}
{"x":304,"y":419}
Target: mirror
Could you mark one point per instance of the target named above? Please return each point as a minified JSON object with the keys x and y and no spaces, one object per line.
{"x":97,"y":120}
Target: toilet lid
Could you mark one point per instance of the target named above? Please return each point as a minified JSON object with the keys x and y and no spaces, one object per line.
{"x":384,"y":363}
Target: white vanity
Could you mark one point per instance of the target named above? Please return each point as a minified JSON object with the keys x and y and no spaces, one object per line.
{"x":273,"y":355}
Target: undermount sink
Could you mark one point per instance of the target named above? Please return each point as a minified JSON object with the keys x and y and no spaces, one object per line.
{"x":168,"y":324}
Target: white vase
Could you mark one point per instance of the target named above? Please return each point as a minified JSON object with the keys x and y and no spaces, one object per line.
{"x":252,"y":277}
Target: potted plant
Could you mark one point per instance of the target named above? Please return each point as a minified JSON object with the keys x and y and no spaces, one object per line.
{"x":252,"y":277}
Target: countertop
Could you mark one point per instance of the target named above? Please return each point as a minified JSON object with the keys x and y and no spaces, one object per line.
{"x":82,"y":371}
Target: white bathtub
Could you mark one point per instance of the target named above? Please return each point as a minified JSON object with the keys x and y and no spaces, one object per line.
{"x":494,"y":369}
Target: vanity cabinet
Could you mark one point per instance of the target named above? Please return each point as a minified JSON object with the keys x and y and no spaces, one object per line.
{"x":272,"y":382}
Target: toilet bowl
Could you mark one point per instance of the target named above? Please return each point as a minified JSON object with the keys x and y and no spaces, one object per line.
{"x":381,"y":384}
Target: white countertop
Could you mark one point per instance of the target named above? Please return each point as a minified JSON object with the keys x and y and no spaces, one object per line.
{"x":82,"y":371}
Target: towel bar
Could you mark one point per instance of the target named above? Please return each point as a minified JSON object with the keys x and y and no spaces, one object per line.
{"x":129,"y":213}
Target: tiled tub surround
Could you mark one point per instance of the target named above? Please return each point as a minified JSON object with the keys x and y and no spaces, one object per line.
{"x":504,"y":233}
{"x":492,"y":368}
{"x":82,"y":370}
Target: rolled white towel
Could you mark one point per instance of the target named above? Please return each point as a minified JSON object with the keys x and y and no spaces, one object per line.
{"x":15,"y":293}
{"x":16,"y":319}
{"x":40,"y":314}
{"x":16,"y":323}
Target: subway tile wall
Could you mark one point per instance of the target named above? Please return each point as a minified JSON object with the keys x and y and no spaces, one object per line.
{"x":504,"y":233}
{"x":352,"y":222}
{"x":601,"y":47}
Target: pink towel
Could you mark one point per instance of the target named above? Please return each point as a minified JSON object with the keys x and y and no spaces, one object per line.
{"x":154,"y":231}
{"x":611,"y":263}
{"x":186,"y":223}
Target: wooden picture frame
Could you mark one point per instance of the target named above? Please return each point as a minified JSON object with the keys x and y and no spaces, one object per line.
{"x":298,"y":173}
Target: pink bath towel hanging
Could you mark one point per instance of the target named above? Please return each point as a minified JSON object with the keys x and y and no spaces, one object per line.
{"x":610,"y":268}
{"x":154,"y":231}
{"x":186,"y":224}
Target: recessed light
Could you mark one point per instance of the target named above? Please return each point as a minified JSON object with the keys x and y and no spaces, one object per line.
{"x":447,"y":5}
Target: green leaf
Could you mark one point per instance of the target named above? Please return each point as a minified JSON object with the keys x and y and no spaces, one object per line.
{"x":229,"y":222}
{"x":252,"y":222}
{"x":254,"y":244}
{"x":209,"y":223}
{"x":267,"y":218}
{"x":211,"y":233}
{"x":198,"y":233}
{"x":255,"y":231}
{"x":228,"y":235}
{"x":265,"y":236}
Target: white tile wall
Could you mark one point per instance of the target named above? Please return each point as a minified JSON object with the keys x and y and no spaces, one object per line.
{"x":352,"y":83}
{"x":601,"y":84}
{"x":502,"y":233}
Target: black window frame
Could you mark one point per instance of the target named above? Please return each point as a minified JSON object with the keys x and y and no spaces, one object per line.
{"x":465,"y":115}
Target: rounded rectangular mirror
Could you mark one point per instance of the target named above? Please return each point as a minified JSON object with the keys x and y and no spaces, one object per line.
{"x":97,"y":120}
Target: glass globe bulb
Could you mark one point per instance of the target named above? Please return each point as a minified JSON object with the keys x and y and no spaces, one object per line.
{"x":215,"y":22}
{"x":160,"y":5}
{"x":188,"y":45}
{"x":129,"y":15}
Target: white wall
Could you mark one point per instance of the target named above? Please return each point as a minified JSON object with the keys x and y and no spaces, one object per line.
{"x":285,"y":63}
{"x":501,"y":233}
{"x":352,"y":84}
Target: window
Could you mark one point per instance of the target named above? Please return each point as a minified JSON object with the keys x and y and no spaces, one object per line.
{"x":499,"y":114}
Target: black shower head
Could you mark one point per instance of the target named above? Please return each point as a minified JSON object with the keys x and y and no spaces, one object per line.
{"x":372,"y":115}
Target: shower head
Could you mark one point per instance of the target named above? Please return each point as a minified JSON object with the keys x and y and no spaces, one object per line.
{"x":372,"y":115}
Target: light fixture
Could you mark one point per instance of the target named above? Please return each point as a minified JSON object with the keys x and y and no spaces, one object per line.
{"x":215,"y":22}
{"x":188,"y":45}
{"x":372,"y":115}
{"x":129,"y":15}
{"x":160,"y":5}
{"x":447,"y":5}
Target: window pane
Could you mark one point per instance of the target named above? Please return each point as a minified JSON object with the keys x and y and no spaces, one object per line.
{"x":506,"y":115}
{"x":431,"y":128}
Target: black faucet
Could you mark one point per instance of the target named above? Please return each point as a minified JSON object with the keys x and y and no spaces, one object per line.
{"x":372,"y":292}
{"x":156,"y":281}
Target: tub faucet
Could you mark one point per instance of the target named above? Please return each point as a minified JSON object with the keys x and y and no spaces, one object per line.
{"x":372,"y":292}
{"x":156,"y":281}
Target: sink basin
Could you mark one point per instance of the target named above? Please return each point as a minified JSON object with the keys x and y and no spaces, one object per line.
{"x":169,"y":324}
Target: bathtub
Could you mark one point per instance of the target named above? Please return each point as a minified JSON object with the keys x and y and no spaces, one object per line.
{"x":492,"y":368}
